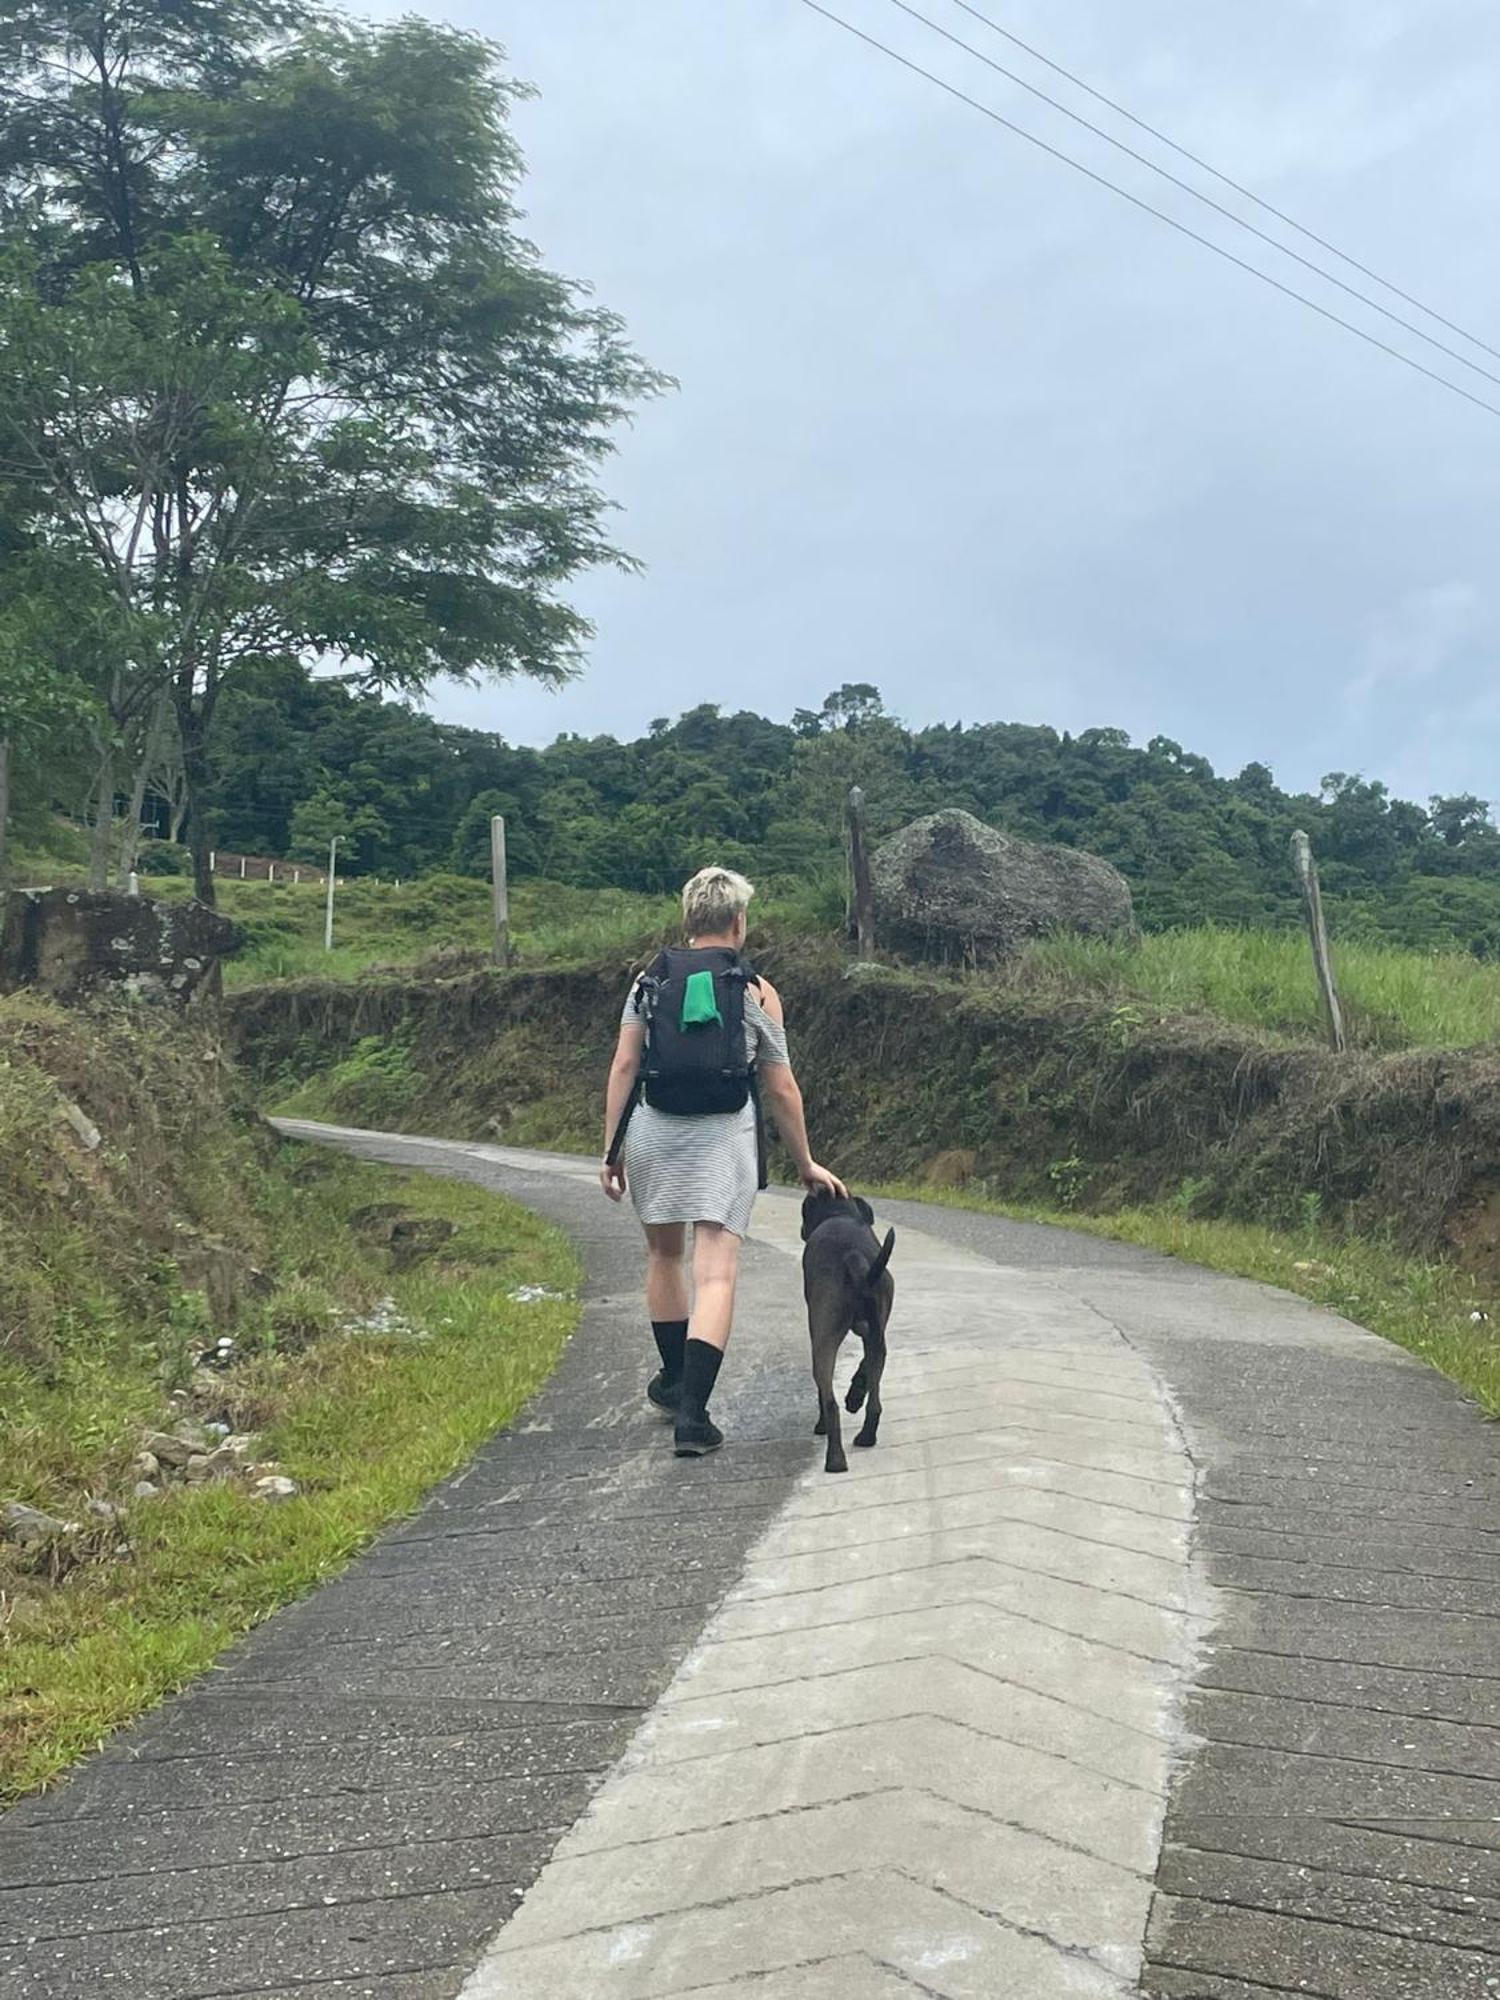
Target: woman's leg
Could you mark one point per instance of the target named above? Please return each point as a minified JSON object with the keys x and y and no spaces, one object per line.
{"x":716,"y":1258}
{"x":716,"y":1263}
{"x":666,"y":1270}
{"x":667,"y":1303}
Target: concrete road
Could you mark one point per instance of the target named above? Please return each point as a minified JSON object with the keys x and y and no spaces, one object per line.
{"x":1152,"y":1651}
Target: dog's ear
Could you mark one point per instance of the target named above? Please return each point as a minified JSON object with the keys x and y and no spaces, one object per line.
{"x":808,"y":1204}
{"x":864,"y":1208}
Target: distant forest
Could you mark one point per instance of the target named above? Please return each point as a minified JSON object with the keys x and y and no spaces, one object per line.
{"x":297,"y":760}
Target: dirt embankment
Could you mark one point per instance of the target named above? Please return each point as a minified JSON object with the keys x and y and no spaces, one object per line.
{"x":126,"y":1141}
{"x":912,"y":1077}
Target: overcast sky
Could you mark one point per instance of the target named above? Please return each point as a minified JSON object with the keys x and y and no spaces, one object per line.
{"x":958,"y":422}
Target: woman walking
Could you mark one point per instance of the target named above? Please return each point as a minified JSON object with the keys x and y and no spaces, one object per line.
{"x":701,"y":1039}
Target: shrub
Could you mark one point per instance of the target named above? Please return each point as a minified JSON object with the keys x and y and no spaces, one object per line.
{"x":163,"y":857}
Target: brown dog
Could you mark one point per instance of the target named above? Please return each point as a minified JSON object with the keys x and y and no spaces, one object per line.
{"x":848,"y":1290}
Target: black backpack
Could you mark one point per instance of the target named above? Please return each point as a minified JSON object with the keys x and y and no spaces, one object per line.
{"x":692,"y":1001}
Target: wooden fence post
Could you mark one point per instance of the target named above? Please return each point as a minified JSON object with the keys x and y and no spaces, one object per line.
{"x":1312,"y":903}
{"x":859,"y":869}
{"x":501,"y":887}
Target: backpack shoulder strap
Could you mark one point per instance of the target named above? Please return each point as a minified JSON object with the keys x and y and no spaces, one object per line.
{"x":648,"y":982}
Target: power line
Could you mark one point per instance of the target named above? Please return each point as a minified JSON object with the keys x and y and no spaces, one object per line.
{"x":1186,"y":187}
{"x":1249,"y":194}
{"x":1161,"y":215}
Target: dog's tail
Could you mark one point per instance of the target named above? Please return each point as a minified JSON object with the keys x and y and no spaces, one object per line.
{"x":868,"y":1276}
{"x":877,"y":1270}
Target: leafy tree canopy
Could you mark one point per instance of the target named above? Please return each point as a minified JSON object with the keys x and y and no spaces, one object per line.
{"x":276,"y":363}
{"x":296,"y":758}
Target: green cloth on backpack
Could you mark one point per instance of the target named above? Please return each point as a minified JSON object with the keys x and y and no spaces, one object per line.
{"x":700,"y":1005}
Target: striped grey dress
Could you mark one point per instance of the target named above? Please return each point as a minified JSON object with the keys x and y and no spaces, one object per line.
{"x":700,"y":1169}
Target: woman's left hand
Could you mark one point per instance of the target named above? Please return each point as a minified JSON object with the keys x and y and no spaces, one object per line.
{"x":612,"y":1179}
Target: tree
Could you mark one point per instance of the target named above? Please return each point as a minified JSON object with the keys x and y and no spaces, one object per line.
{"x":326,"y":817}
{"x":1460,"y":819}
{"x":43,"y":698}
{"x":854,"y":703}
{"x":275,"y":360}
{"x":471,"y":853}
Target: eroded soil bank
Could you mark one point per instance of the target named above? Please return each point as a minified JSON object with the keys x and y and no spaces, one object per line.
{"x":921,"y":1077}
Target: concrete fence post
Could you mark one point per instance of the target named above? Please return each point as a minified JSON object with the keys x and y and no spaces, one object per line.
{"x":1317,"y":931}
{"x":501,"y":886}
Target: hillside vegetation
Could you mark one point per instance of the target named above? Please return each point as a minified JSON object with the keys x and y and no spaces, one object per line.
{"x":296,"y":761}
{"x":1248,"y":978}
{"x":146,"y":1217}
{"x":1026,"y":1091}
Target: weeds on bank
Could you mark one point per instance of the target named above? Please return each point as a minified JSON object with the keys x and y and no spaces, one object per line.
{"x":377,"y":924}
{"x":1264,"y":979}
{"x":1252,"y":978}
{"x":364,"y":1410}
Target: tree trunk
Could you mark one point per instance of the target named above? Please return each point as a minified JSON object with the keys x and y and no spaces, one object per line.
{"x":104,"y":819}
{"x":130,"y":845}
{"x":192,"y":728}
{"x":4,"y":812}
{"x":130,"y":841}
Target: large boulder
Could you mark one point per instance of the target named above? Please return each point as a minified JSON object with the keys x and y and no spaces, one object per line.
{"x":68,"y":942}
{"x":949,"y":887}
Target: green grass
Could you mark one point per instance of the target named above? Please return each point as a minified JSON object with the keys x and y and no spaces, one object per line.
{"x":1420,"y":1304}
{"x":1261,"y":979}
{"x":375,"y":1085}
{"x":1256,"y":979}
{"x":52,"y":851}
{"x":365,"y":1422}
{"x":1264,"y":979}
{"x":381,"y":925}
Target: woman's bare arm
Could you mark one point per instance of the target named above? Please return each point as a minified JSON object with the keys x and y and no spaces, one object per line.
{"x":782,"y":1096}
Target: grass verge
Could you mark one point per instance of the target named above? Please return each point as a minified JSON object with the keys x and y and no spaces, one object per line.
{"x":1264,"y":979}
{"x":379,"y":924}
{"x":365,"y":1404}
{"x":1259,"y":979}
{"x":1421,"y":1305}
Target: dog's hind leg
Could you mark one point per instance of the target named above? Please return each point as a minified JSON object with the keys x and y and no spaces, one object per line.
{"x":825,"y":1353}
{"x":871,"y":1368}
{"x":854,"y":1397}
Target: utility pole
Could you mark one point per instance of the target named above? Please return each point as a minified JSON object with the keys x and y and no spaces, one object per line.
{"x":333,"y":862}
{"x":501,"y":887}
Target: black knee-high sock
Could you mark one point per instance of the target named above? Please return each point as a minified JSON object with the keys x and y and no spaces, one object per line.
{"x":670,"y":1336}
{"x":700,"y":1370}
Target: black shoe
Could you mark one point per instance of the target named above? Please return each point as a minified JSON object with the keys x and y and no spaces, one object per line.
{"x":696,"y":1437}
{"x":662,"y":1395}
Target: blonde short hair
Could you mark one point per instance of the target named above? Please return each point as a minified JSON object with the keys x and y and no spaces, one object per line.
{"x":712,"y":901}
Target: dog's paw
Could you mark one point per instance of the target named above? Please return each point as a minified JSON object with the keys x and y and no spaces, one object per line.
{"x":865,"y":1440}
{"x":855,"y":1400}
{"x":820,"y":1429}
{"x":839,"y":1464}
